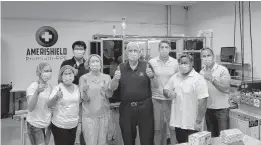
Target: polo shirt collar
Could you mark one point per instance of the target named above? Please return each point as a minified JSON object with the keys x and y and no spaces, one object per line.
{"x":191,"y":74}
{"x":129,"y":67}
{"x":168,"y":61}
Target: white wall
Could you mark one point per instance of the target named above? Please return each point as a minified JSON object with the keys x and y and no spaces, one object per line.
{"x":219,"y":16}
{"x":75,"y":21}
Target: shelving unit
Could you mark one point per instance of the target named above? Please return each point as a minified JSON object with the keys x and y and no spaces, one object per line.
{"x":235,"y":68}
{"x":179,"y":45}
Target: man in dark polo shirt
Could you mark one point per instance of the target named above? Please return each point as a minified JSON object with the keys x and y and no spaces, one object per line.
{"x":79,"y":49}
{"x":136,"y":109}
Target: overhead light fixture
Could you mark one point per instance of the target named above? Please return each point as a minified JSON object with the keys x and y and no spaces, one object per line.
{"x":114,"y":30}
{"x":123,"y":26}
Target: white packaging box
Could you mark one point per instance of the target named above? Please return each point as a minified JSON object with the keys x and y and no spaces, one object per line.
{"x":200,"y":138}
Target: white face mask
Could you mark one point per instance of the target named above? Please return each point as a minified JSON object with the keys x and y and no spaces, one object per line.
{"x":184,"y":68}
{"x":68,"y":79}
{"x":46,"y":76}
{"x":95,"y":66}
{"x":133,"y":56}
{"x":207,"y":61}
{"x":78,"y":53}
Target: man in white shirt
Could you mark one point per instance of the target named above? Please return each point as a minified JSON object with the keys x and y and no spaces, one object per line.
{"x":164,"y":68}
{"x":218,"y":77}
{"x":189,"y":92}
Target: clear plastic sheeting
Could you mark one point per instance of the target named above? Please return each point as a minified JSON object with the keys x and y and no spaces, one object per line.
{"x":231,"y":136}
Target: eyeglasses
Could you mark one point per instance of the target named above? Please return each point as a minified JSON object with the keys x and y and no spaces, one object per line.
{"x":78,"y":48}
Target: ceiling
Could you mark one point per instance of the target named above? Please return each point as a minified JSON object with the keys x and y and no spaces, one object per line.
{"x":180,"y":3}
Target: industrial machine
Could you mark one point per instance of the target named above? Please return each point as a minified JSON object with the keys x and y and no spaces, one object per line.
{"x":247,"y":117}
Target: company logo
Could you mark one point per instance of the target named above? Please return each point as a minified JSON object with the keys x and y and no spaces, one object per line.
{"x":141,"y":74}
{"x":46,"y":36}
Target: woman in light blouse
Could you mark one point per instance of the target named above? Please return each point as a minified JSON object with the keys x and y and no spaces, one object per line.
{"x":94,"y":87}
{"x":39,"y":115}
{"x":64,"y":101}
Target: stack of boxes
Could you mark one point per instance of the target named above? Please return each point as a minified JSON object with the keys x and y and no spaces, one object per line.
{"x":245,"y":122}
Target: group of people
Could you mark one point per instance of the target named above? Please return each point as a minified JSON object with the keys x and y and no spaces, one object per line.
{"x":162,"y":96}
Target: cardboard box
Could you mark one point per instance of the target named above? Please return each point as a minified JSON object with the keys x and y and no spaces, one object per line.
{"x":200,"y":138}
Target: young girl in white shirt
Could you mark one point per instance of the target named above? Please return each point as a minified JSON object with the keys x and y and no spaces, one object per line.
{"x":39,"y":115}
{"x":64,"y":101}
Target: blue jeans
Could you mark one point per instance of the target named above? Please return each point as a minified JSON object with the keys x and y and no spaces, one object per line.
{"x":38,"y":136}
{"x":217,"y":120}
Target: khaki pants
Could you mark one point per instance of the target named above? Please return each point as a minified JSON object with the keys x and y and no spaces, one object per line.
{"x":162,"y":109}
{"x":95,"y":130}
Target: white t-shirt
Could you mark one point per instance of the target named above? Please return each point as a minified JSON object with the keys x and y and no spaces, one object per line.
{"x":184,"y":107}
{"x":66,"y":109}
{"x":40,"y":117}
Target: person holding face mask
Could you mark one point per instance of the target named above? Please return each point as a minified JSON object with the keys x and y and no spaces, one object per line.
{"x":189,"y":92}
{"x":39,"y":115}
{"x":64,"y":101}
{"x":136,"y":109}
{"x":94,"y":87}
{"x":218,"y":77}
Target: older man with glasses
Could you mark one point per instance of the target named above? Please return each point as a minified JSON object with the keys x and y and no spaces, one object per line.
{"x":136,"y":109}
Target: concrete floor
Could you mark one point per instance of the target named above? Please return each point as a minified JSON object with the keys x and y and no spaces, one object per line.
{"x":10,"y":133}
{"x":11,"y":130}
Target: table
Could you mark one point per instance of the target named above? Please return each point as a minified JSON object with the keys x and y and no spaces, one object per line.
{"x":246,"y":139}
{"x":13,"y":91}
{"x":21,"y":116}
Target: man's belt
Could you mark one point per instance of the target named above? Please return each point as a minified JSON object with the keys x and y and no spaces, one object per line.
{"x":133,"y":104}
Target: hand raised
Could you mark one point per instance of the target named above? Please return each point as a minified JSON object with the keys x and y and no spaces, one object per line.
{"x":104,"y":88}
{"x":85,"y":88}
{"x":59,"y":94}
{"x":117,"y":74}
{"x":149,"y":71}
{"x":41,"y":87}
{"x":172,"y":94}
{"x":208,"y":76}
